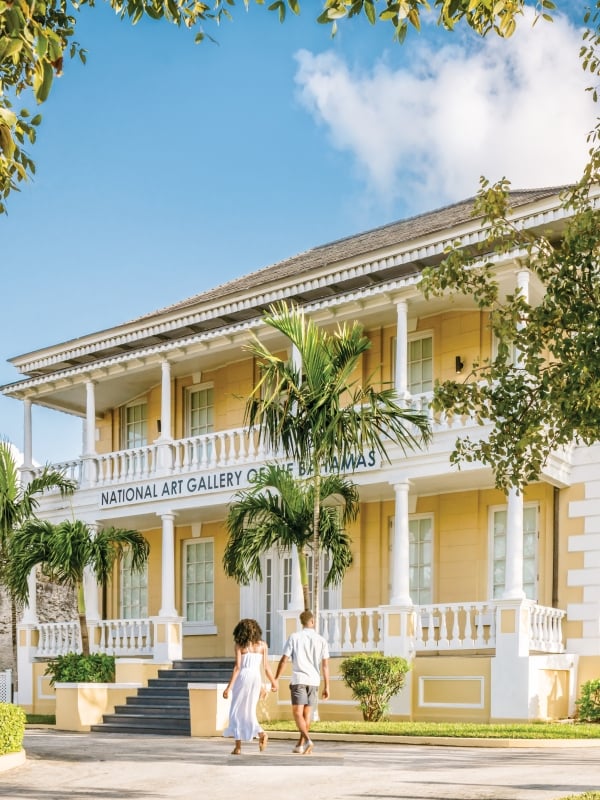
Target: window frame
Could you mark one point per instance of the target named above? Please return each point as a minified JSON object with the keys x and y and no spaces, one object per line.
{"x":143,"y":574}
{"x":193,"y":627}
{"x":125,"y":445}
{"x":189,"y":391}
{"x":415,"y":337}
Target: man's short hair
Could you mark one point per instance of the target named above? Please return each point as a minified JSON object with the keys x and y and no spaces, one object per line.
{"x":305,"y":618}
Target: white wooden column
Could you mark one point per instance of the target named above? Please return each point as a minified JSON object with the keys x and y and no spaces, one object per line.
{"x":168,"y":608}
{"x":401,"y":365}
{"x":400,"y":589}
{"x":29,"y":616}
{"x":523,"y":276}
{"x":513,"y":582}
{"x":90,"y":586}
{"x":90,"y":418}
{"x":297,"y":598}
{"x":27,"y":434}
{"x":513,"y":579}
{"x":165,"y":402}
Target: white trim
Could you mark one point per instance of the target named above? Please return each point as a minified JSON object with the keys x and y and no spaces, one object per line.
{"x":188,"y":391}
{"x":199,"y":629}
{"x":416,"y":337}
{"x":431,"y":678}
{"x":205,"y":626}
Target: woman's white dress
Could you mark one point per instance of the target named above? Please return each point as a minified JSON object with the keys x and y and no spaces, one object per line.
{"x":245,"y":692}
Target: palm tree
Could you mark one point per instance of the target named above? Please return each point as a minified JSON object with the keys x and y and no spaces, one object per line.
{"x":278,"y":510}
{"x":319,"y":413}
{"x":18,"y":504}
{"x":64,"y":551}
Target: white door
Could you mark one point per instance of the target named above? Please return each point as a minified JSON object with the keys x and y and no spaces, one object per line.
{"x":264,"y":601}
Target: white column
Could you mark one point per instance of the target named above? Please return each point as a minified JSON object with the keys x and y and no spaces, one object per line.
{"x":296,"y":358}
{"x":167,"y":608}
{"x":523,"y":290}
{"x":90,"y":586}
{"x":297,"y":598}
{"x":401,"y":365}
{"x":513,"y":584}
{"x":165,"y":402}
{"x":400,"y":590}
{"x":90,"y":418}
{"x":29,"y":616}
{"x":27,"y":434}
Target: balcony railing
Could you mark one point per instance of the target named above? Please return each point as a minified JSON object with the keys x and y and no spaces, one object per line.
{"x":217,"y":450}
{"x":437,"y":628}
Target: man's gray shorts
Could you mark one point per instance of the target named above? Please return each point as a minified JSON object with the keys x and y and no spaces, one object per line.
{"x":303,"y":695}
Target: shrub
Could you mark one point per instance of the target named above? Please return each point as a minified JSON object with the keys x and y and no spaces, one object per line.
{"x":12,"y":728}
{"x":588,"y":705}
{"x":77,"y":668}
{"x":374,"y":679}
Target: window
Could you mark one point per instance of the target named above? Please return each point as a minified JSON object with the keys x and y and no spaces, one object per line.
{"x":420,"y":365}
{"x":199,"y":582}
{"x":134,"y":421}
{"x":134,"y":590}
{"x":200,"y":410}
{"x":420,"y":531}
{"x":530,"y":539}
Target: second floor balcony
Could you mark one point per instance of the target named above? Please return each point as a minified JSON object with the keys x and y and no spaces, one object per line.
{"x":227,"y":460}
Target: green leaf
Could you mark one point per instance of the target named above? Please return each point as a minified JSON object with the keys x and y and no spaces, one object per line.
{"x":42,"y":83}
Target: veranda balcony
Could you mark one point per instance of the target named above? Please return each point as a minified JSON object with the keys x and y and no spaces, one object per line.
{"x":463,"y":627}
{"x":220,"y":450}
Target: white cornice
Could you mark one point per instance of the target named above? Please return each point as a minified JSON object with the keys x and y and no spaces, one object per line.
{"x":126,"y":334}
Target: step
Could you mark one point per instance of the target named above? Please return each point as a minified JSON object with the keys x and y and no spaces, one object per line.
{"x":179,"y":712}
{"x":162,"y":707}
{"x":139,"y":725}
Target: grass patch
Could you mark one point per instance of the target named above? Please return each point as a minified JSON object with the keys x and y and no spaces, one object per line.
{"x":584,"y":796}
{"x":534,"y":730}
{"x":40,"y":719}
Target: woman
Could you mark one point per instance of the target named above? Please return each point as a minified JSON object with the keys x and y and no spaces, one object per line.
{"x":245,"y":684}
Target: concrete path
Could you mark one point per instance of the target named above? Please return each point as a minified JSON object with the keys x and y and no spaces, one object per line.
{"x":105,"y":767}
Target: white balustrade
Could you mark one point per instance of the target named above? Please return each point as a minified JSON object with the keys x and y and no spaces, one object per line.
{"x":58,"y":638}
{"x":455,"y":626}
{"x":71,"y":469}
{"x":350,"y":630}
{"x":124,"y":637}
{"x":118,"y":637}
{"x":545,"y":629}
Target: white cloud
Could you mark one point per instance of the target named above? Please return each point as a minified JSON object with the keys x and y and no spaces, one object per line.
{"x":425,"y":132}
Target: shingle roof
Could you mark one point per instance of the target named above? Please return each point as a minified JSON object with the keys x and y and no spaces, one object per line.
{"x":394,"y":233}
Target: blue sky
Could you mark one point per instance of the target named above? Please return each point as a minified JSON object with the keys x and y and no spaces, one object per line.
{"x":165,"y":168}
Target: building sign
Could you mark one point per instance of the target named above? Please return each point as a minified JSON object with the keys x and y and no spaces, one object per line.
{"x":217,"y":480}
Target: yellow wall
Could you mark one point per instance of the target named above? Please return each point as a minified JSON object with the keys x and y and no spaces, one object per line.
{"x":453,"y":688}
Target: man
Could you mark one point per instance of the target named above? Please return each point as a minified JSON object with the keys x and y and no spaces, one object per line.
{"x":309,"y":652}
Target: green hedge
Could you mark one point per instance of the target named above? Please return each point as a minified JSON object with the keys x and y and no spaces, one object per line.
{"x":77,"y":668}
{"x":12,"y":728}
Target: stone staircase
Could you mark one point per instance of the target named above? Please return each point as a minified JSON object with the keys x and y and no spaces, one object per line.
{"x":163,"y":707}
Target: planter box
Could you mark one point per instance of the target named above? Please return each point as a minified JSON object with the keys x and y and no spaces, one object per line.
{"x":209,"y":711}
{"x":81,"y":705}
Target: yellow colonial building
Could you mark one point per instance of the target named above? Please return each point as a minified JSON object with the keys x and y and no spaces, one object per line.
{"x":494,"y":599}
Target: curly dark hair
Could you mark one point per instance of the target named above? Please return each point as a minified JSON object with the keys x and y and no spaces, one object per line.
{"x":246,"y":632}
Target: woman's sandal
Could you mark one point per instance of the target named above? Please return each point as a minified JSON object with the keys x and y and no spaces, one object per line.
{"x":263,"y":738}
{"x":237,"y":751}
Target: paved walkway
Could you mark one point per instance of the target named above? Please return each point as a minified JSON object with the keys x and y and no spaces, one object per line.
{"x":98,"y":766}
